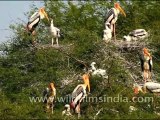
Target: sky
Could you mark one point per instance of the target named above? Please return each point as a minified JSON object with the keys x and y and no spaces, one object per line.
{"x":13,"y":12}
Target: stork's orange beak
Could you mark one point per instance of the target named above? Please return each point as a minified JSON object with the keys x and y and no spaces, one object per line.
{"x":136,"y":91}
{"x":116,"y":5}
{"x":44,"y":13}
{"x":145,"y":50}
{"x":86,"y":81}
{"x":51,"y":85}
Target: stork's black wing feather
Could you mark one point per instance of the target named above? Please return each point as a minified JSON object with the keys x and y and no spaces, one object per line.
{"x":150,"y":65}
{"x":109,"y":13}
{"x":138,"y":32}
{"x":142,"y":61}
{"x":45,"y":94}
{"x":132,"y":33}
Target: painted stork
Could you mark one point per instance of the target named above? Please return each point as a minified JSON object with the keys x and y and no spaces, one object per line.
{"x":55,"y":32}
{"x":79,"y":93}
{"x":99,"y":72}
{"x":137,"y":88}
{"x":112,"y":17}
{"x":148,"y":86}
{"x":35,"y":19}
{"x":146,"y":64}
{"x":152,"y":87}
{"x":136,"y":34}
{"x":50,"y":96}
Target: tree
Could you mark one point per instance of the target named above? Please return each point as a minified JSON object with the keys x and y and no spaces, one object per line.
{"x":26,"y":70}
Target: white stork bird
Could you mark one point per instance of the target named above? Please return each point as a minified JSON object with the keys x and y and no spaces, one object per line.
{"x":66,"y":110}
{"x":107,"y":33}
{"x":146,"y":64}
{"x":35,"y":19}
{"x":136,"y":34}
{"x":112,"y":17}
{"x":99,"y":72}
{"x":79,"y":93}
{"x":50,"y":96}
{"x":55,"y":32}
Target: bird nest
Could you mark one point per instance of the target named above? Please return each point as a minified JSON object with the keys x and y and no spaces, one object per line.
{"x":129,"y":45}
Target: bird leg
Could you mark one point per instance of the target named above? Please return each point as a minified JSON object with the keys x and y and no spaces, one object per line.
{"x":77,"y":109}
{"x":33,"y":32}
{"x":47,"y":107}
{"x":52,"y":42}
{"x":57,"y":41}
{"x":52,"y":105}
{"x":79,"y":115}
{"x":149,"y":76}
{"x":33,"y":40}
{"x":144,"y":89}
{"x":145,"y":76}
{"x":114,"y":31}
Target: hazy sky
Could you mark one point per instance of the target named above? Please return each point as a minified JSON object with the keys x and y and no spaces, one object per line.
{"x":11,"y":12}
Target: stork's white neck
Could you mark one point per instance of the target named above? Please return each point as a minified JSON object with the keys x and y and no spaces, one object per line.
{"x":117,"y":11}
{"x":93,"y":67}
{"x":52,"y":25}
{"x":41,"y":15}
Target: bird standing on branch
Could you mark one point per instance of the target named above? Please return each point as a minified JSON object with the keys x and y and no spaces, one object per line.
{"x":146,"y":65}
{"x":50,"y":96}
{"x":34,"y":21}
{"x":55,"y":32}
{"x":99,"y":72}
{"x":152,"y":87}
{"x":79,"y":93}
{"x":112,"y":17}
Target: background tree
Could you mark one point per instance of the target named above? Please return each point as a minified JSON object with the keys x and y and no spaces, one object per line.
{"x":26,"y":71}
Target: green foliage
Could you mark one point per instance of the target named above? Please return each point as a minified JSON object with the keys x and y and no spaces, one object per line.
{"x":26,"y":71}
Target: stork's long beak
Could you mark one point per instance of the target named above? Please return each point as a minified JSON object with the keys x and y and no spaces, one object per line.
{"x":52,"y":86}
{"x":136,"y":91}
{"x":86,"y":81}
{"x":88,"y":85}
{"x":45,"y":14}
{"x":117,"y":6}
{"x":145,"y":50}
{"x":121,"y":10}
